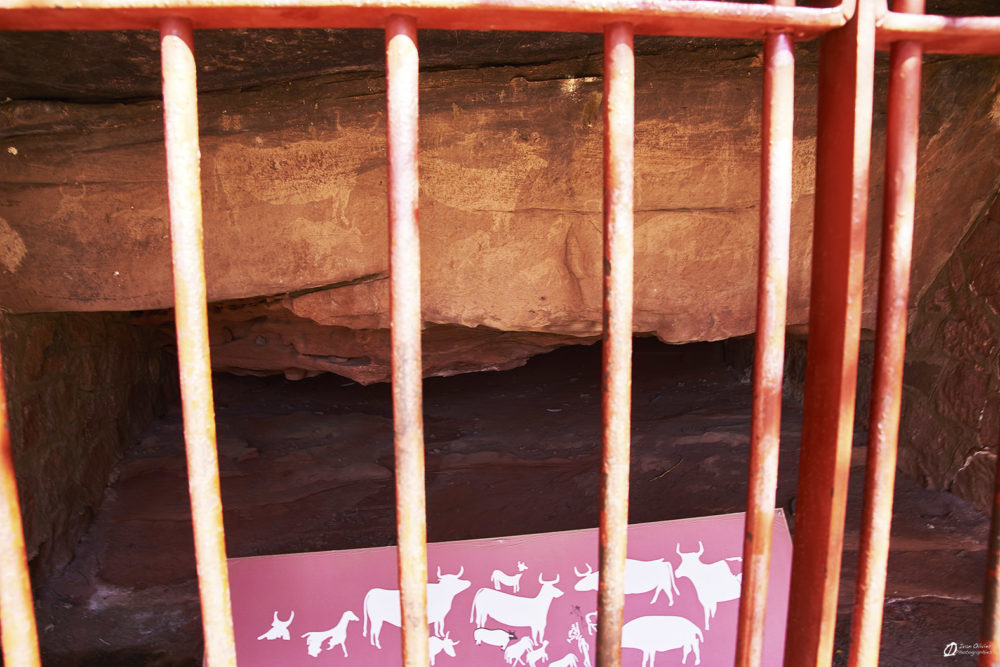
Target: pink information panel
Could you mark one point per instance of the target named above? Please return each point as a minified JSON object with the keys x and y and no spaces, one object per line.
{"x":525,"y":600}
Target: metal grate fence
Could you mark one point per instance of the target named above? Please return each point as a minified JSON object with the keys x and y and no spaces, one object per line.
{"x":850,"y":32}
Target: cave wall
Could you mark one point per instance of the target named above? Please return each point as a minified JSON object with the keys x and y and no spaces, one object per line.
{"x":950,"y":426}
{"x":80,"y":388}
{"x":294,"y":195}
{"x":950,"y":414}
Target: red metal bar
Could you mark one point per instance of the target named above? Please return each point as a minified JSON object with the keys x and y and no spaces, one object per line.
{"x":902,"y":134}
{"x":17,"y":614}
{"x":694,"y":18}
{"x":842,"y":152}
{"x":990,"y":632}
{"x":404,"y":304}
{"x":619,"y":126}
{"x":180,"y":120}
{"x":769,"y":355}
{"x":941,"y":34}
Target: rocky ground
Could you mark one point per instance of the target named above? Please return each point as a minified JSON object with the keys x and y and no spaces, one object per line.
{"x":308,"y":465}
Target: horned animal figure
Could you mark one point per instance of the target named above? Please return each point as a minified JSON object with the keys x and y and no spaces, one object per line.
{"x":516,"y":611}
{"x":641,"y":576}
{"x":437,"y":644}
{"x":279,"y":629}
{"x":713,"y":582}
{"x":382,"y":606}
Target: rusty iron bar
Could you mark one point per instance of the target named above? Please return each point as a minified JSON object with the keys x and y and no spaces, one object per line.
{"x":769,"y":353}
{"x":941,"y":34}
{"x":616,"y":400}
{"x":990,"y":631}
{"x":691,"y":18}
{"x":902,"y":135}
{"x":18,"y":633}
{"x":402,"y":81}
{"x":843,"y":143}
{"x":180,"y":121}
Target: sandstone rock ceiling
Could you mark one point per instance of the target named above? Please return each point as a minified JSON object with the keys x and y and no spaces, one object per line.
{"x":121,"y":66}
{"x":293,"y":181}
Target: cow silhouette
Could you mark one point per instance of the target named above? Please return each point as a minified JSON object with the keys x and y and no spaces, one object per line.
{"x":713,"y":582}
{"x":641,"y":576}
{"x":382,"y":606}
{"x":515,"y":610}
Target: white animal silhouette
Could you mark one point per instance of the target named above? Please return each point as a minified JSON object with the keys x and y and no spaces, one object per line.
{"x":641,"y":576}
{"x":337,"y":635}
{"x":516,"y":611}
{"x":652,"y":634}
{"x":581,"y":642}
{"x":568,"y":660}
{"x":437,"y":644}
{"x":538,"y":654}
{"x":514,"y":653}
{"x":279,"y":629}
{"x":713,"y":582}
{"x":498,"y":638}
{"x":382,"y":606}
{"x":513,"y":580}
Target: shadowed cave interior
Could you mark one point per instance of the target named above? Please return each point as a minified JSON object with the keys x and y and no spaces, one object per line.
{"x":307,"y":465}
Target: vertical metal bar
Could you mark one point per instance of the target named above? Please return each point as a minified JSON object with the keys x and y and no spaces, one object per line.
{"x":180,"y":119}
{"x":842,"y":153}
{"x":404,"y":299}
{"x":619,"y":125}
{"x":17,"y":615}
{"x":902,"y":134}
{"x":769,"y":354}
{"x":990,"y":632}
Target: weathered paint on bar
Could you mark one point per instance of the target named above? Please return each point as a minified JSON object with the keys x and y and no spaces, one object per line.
{"x":180,"y":119}
{"x":17,"y":613}
{"x":619,"y":132}
{"x":404,"y":299}
{"x":769,"y":353}
{"x":842,"y":156}
{"x":902,"y":135}
{"x":706,"y":18}
{"x":941,"y":34}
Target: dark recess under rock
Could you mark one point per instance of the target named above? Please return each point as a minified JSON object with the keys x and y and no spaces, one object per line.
{"x":307,"y":466}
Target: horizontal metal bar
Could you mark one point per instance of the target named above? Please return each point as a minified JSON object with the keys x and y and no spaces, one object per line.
{"x":694,"y":18}
{"x":17,"y":614}
{"x":180,"y":119}
{"x":941,"y":34}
